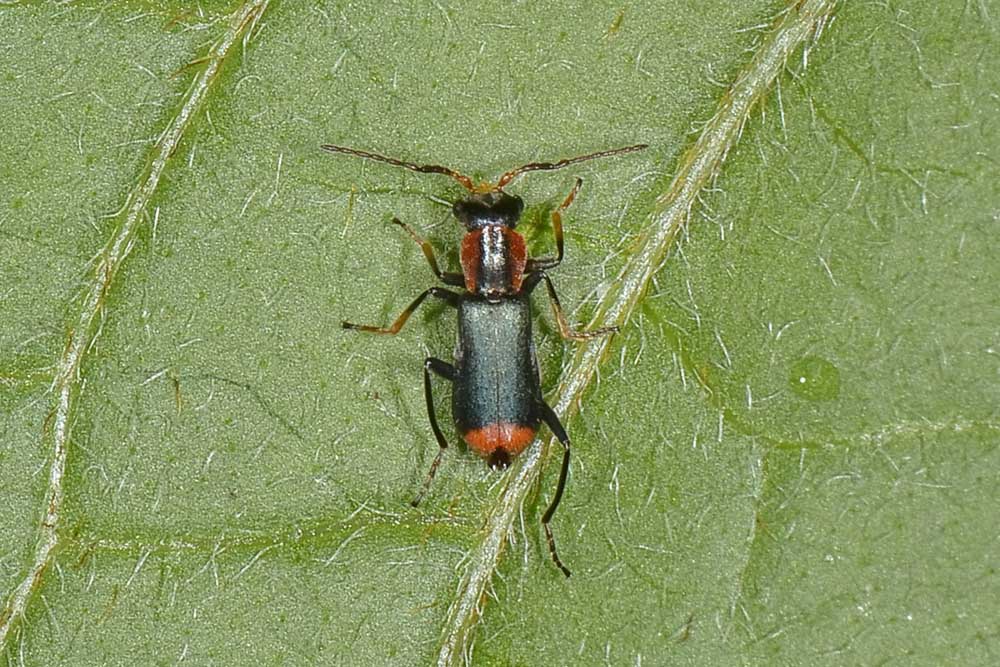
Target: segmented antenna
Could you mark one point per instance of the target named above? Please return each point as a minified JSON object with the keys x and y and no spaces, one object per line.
{"x":465,"y":181}
{"x":549,"y":166}
{"x":422,"y":168}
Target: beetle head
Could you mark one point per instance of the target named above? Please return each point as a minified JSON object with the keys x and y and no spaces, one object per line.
{"x":493,"y":207}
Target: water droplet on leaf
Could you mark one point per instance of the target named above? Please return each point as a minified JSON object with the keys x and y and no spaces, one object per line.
{"x":815,"y":378}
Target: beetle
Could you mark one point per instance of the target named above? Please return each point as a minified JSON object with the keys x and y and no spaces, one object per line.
{"x":497,"y":402}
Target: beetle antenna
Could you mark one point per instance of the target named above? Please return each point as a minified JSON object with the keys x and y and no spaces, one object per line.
{"x":549,"y":166}
{"x":422,"y":168}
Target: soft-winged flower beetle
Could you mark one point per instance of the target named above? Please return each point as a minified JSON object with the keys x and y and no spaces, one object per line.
{"x":497,"y":401}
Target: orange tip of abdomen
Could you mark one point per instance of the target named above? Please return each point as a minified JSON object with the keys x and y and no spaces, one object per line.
{"x":513,"y":438}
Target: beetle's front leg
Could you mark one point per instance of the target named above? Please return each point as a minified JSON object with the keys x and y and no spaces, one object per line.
{"x":447,"y":277}
{"x":543,"y":263}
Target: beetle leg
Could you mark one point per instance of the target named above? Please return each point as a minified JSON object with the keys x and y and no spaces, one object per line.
{"x":447,"y":277}
{"x":447,"y":371}
{"x":552,"y":421}
{"x":557,"y":231}
{"x":532,"y":281}
{"x":450,"y":297}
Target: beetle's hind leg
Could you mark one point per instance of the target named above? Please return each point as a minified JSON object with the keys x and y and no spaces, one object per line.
{"x":447,"y":371}
{"x":552,"y":421}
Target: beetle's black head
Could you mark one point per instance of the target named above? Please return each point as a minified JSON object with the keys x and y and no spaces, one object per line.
{"x":495,"y":207}
{"x":499,"y":459}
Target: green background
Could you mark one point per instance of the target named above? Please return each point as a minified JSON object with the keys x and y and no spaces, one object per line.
{"x":791,"y":455}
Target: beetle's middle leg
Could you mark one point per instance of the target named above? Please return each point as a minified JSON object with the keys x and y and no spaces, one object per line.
{"x":447,"y":371}
{"x":450,"y":297}
{"x":564,"y":329}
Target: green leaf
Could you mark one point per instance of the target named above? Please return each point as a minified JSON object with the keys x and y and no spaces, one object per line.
{"x":787,"y":456}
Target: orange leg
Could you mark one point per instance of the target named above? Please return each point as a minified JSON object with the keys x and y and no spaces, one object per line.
{"x":557,"y":231}
{"x":447,"y":277}
{"x":394,"y":328}
{"x":564,"y":329}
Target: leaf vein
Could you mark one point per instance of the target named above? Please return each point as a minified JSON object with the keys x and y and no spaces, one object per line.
{"x":799,"y":23}
{"x":109,"y":261}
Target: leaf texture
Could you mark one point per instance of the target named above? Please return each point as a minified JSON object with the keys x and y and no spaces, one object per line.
{"x":788,"y":456}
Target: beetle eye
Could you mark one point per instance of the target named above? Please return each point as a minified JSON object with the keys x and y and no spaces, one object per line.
{"x":510,"y":208}
{"x":518,"y":206}
{"x":466,"y":212}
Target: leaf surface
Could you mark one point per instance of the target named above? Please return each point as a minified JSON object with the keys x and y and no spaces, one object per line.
{"x":789,"y":455}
